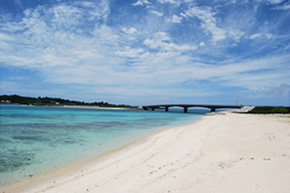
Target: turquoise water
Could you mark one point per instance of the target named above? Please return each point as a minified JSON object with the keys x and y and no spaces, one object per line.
{"x":34,"y":139}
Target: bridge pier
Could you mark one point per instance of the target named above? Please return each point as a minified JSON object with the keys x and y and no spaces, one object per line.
{"x":212,"y":110}
{"x":185,"y":109}
{"x":166,"y":109}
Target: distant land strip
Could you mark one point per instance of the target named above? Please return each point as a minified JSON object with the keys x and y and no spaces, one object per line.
{"x":49,"y":101}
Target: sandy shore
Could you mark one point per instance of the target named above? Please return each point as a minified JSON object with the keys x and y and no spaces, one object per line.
{"x":219,"y":153}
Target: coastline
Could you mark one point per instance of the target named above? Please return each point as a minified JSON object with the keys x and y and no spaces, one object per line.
{"x":96,"y":107}
{"x":225,"y":152}
{"x":75,"y":106}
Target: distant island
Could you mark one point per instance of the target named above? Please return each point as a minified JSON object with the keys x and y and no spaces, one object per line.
{"x":49,"y":101}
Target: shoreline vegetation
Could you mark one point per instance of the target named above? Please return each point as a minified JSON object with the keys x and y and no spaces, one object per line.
{"x":50,"y":101}
{"x":224,"y":152}
{"x":269,"y":110}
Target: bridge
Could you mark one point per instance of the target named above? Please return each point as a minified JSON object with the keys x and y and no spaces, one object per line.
{"x":186,"y":106}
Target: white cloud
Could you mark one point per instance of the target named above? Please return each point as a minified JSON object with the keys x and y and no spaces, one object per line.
{"x":27,"y":12}
{"x":51,"y":37}
{"x":282,"y":89}
{"x":129,"y":52}
{"x":253,"y":74}
{"x":254,"y":36}
{"x":202,"y":44}
{"x":152,"y":44}
{"x":235,"y":34}
{"x":159,"y":14}
{"x":105,"y":35}
{"x":9,"y":86}
{"x":261,"y":35}
{"x":6,"y":37}
{"x":248,"y":74}
{"x":68,"y":44}
{"x":19,"y":2}
{"x":162,"y":41}
{"x":176,"y":19}
{"x":141,"y":3}
{"x":130,"y":30}
{"x":275,"y":1}
{"x":98,"y":10}
{"x":283,"y":7}
{"x":209,"y":23}
{"x":174,"y":2}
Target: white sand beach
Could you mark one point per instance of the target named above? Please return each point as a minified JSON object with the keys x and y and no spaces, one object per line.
{"x":223,"y":152}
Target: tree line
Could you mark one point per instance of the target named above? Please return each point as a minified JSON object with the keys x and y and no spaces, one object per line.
{"x":50,"y":101}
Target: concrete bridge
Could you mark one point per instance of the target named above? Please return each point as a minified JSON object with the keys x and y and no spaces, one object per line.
{"x":186,"y":106}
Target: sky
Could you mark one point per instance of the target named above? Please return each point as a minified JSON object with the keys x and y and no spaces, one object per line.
{"x":145,"y":52}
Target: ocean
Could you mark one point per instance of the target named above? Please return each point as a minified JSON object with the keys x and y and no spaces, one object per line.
{"x":38,"y":139}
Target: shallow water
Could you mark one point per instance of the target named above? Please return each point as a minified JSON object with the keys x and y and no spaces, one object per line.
{"x":34,"y":139}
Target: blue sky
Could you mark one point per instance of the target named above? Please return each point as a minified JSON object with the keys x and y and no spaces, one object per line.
{"x":147,"y":52}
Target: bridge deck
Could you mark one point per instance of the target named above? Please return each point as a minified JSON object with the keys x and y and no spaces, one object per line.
{"x":186,"y":106}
